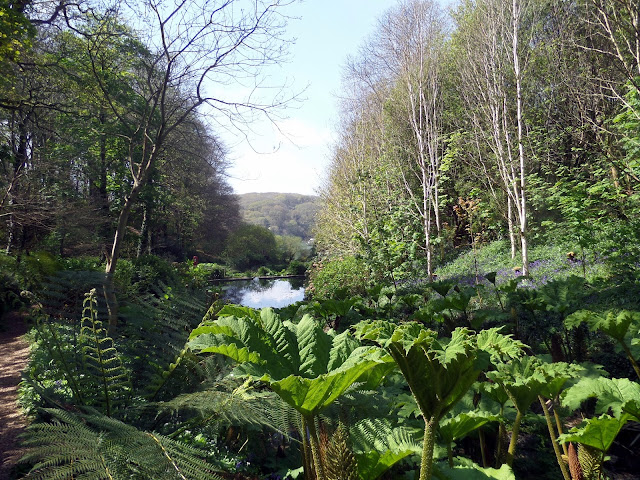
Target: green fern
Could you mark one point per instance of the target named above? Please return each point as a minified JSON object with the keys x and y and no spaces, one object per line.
{"x":378,"y":445}
{"x":93,"y":446}
{"x":340,"y":463}
{"x":590,"y":460}
{"x":228,"y":403}
{"x":156,"y":330}
{"x":102,"y":361}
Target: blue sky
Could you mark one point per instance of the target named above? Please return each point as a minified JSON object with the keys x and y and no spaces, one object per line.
{"x":327,"y":31}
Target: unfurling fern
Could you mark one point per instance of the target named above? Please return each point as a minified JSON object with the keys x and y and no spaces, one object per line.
{"x":340,"y":463}
{"x":101,"y":360}
{"x":590,"y":460}
{"x":92,"y":446}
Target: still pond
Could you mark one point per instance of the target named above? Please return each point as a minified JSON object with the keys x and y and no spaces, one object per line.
{"x":261,"y":293}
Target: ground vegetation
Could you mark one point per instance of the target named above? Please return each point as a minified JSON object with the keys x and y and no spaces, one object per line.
{"x":473,"y":309}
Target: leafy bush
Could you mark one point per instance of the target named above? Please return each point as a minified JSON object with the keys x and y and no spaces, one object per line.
{"x":10,"y":298}
{"x":199,"y":276}
{"x":144,"y":275}
{"x":264,"y":271}
{"x":152,"y":270}
{"x":82,"y":263}
{"x":339,"y":278}
{"x":296,"y":268}
{"x":124,"y":277}
{"x":251,"y":246}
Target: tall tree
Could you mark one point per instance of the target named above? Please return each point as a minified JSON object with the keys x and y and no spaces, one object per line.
{"x":191,"y":54}
{"x":493,"y":48}
{"x":409,"y":48}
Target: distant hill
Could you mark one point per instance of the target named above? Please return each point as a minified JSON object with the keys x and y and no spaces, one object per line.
{"x":282,"y":213}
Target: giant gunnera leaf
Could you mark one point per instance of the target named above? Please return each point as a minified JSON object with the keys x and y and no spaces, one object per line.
{"x":467,"y":470}
{"x":598,"y":433}
{"x":306,"y":366}
{"x":616,"y":395}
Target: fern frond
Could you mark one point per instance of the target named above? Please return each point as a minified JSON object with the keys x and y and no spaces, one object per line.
{"x":340,"y":463}
{"x":156,"y":329}
{"x":62,"y":296}
{"x":239,"y":406}
{"x":91,"y":445}
{"x":590,"y":461}
{"x":381,"y":435}
{"x":101,"y":359}
{"x":377,"y":445}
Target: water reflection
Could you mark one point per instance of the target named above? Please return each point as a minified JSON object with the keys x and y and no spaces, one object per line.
{"x":265,"y":293}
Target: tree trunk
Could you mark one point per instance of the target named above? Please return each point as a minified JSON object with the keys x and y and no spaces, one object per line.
{"x":19,"y":162}
{"x":426,"y":210}
{"x":512,"y":233}
{"x":523,"y":205}
{"x":143,"y":232}
{"x":112,"y":260}
{"x":11,"y":229}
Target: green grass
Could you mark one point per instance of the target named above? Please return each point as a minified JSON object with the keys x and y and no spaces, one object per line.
{"x":546,"y":262}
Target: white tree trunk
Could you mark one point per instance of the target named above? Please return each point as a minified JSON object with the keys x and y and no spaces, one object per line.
{"x":522,"y":206}
{"x":512,"y":233}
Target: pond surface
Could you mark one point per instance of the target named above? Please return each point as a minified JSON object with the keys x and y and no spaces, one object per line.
{"x":276,"y":293}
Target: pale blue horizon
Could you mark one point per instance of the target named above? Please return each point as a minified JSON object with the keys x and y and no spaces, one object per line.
{"x":326,"y":33}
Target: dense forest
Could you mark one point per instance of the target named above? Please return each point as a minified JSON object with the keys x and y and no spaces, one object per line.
{"x":108,"y":145}
{"x":513,"y":120}
{"x":289,"y":214}
{"x":472,"y":310}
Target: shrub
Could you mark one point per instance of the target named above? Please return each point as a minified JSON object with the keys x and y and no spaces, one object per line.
{"x":264,"y":271}
{"x":152,"y":271}
{"x":200,"y":275}
{"x":251,"y":246}
{"x":10,"y":298}
{"x":83,"y":264}
{"x":338,"y":278}
{"x":124,"y":277}
{"x":296,"y":268}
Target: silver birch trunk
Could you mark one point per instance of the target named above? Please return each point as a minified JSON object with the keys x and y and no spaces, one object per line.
{"x":512,"y":233}
{"x":522,"y":208}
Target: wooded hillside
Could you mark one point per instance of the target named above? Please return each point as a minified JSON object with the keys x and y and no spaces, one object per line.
{"x":282,"y":213}
{"x":515,"y":120}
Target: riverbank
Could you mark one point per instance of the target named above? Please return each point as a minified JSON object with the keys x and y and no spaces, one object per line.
{"x":259,"y":277}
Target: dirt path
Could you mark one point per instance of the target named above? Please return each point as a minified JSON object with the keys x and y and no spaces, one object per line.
{"x":14,"y":351}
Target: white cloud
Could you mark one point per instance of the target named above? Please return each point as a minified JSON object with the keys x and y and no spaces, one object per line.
{"x":295,"y":161}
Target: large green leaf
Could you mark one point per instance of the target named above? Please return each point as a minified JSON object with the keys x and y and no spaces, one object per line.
{"x":463,"y":424}
{"x":438,"y":372}
{"x":308,"y":367}
{"x":314,"y":345}
{"x":341,"y":348}
{"x":598,"y":433}
{"x":311,"y":395}
{"x":615,"y":395}
{"x":521,"y":379}
{"x":495,"y":392}
{"x":372,"y":464}
{"x":244,"y":340}
{"x":556,"y":375}
{"x":239,"y":311}
{"x":470,"y":471}
{"x":501,"y":347}
{"x":614,"y":324}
